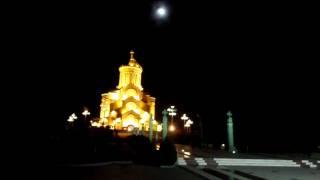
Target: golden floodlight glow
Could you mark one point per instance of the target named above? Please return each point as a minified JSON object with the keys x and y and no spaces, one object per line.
{"x":131,"y":106}
{"x":113,"y":113}
{"x":118,"y":120}
{"x":130,"y":122}
{"x":114,"y":96}
{"x":143,"y":121}
{"x":94,"y":124}
{"x":104,"y":120}
{"x":145,"y":115}
{"x":130,"y":128}
{"x":124,"y":97}
{"x":136,"y":97}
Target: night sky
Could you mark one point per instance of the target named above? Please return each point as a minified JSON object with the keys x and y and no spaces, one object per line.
{"x":253,"y":59}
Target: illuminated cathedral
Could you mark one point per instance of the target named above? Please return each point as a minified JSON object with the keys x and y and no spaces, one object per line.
{"x":128,"y":107}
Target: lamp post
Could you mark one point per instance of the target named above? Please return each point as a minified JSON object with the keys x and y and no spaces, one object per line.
{"x":85,"y":113}
{"x":159,"y":129}
{"x":230,"y":133}
{"x":71,"y":118}
{"x":188,"y":125}
{"x":184,"y":117}
{"x":150,"y":128}
{"x":164,"y":124}
{"x":201,"y":127}
{"x":172,"y":112}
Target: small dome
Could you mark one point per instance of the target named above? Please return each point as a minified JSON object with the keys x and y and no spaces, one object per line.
{"x":132,"y":61}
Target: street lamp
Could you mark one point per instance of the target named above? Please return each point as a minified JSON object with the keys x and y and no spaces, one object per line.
{"x":172,"y":112}
{"x":159,"y":129}
{"x":188,"y":125}
{"x":85,"y":113}
{"x":71,"y":119}
{"x":184,"y":117}
{"x":201,"y":127}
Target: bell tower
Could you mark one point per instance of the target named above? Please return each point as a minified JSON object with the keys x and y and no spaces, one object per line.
{"x":130,"y":74}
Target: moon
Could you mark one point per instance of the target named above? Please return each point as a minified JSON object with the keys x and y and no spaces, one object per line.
{"x":161,"y":11}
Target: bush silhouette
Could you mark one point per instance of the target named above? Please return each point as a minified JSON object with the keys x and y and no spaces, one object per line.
{"x":141,"y":147}
{"x":168,"y":153}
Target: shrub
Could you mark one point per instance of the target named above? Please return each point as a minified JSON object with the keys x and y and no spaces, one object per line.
{"x":168,"y":153}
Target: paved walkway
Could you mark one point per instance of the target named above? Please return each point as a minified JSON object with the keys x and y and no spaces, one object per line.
{"x":206,"y":157}
{"x":242,"y":166}
{"x":215,"y":162}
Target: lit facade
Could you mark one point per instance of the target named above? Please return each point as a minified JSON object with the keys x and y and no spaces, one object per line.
{"x":128,"y":107}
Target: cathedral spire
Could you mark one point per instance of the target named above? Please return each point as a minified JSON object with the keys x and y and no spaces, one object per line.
{"x":133,"y":61}
{"x":131,"y":55}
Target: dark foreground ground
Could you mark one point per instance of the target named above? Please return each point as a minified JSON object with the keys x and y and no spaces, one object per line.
{"x":119,"y":172}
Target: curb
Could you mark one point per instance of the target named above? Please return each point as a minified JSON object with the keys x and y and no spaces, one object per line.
{"x":198,"y":173}
{"x":168,"y":166}
{"x":99,"y":164}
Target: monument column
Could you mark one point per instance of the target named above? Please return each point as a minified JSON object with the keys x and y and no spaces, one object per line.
{"x":230,"y":132}
{"x":150,"y":128}
{"x":165,"y":124}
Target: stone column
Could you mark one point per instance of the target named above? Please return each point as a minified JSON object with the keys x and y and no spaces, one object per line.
{"x":150,"y":128}
{"x":230,"y":132}
{"x":164,"y":124}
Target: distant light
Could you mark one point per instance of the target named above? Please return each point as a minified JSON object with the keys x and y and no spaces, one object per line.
{"x":172,"y":128}
{"x":233,"y":152}
{"x":223,"y":145}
